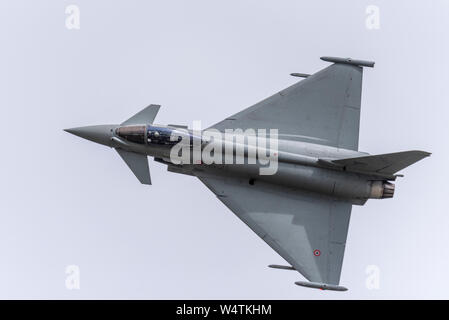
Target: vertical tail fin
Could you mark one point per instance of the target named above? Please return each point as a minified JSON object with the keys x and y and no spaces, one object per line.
{"x":386,"y":164}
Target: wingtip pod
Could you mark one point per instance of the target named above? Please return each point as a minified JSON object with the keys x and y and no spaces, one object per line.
{"x":322,"y":286}
{"x":361,"y":63}
{"x":277,"y":266}
{"x":300,"y":75}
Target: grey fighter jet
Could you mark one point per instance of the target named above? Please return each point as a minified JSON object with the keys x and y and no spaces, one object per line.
{"x":301,"y":210}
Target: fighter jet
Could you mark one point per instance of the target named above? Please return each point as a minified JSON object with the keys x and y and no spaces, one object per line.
{"x":302,"y":208}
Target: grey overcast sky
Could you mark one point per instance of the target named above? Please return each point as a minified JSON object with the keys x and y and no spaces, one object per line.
{"x":66,"y":201}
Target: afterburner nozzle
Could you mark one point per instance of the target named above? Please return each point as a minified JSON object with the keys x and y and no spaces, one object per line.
{"x":388,"y":191}
{"x":381,"y":190}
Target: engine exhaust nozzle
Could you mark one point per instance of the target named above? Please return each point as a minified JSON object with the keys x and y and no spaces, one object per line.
{"x":381,"y":190}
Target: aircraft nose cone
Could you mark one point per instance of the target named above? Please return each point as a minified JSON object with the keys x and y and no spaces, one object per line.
{"x":100,"y":134}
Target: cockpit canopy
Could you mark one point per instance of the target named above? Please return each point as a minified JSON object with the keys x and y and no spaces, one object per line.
{"x":152,"y":134}
{"x":134,"y":134}
{"x":162,"y":135}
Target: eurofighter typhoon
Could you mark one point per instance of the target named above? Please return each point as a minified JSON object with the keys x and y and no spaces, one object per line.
{"x":288,"y":166}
